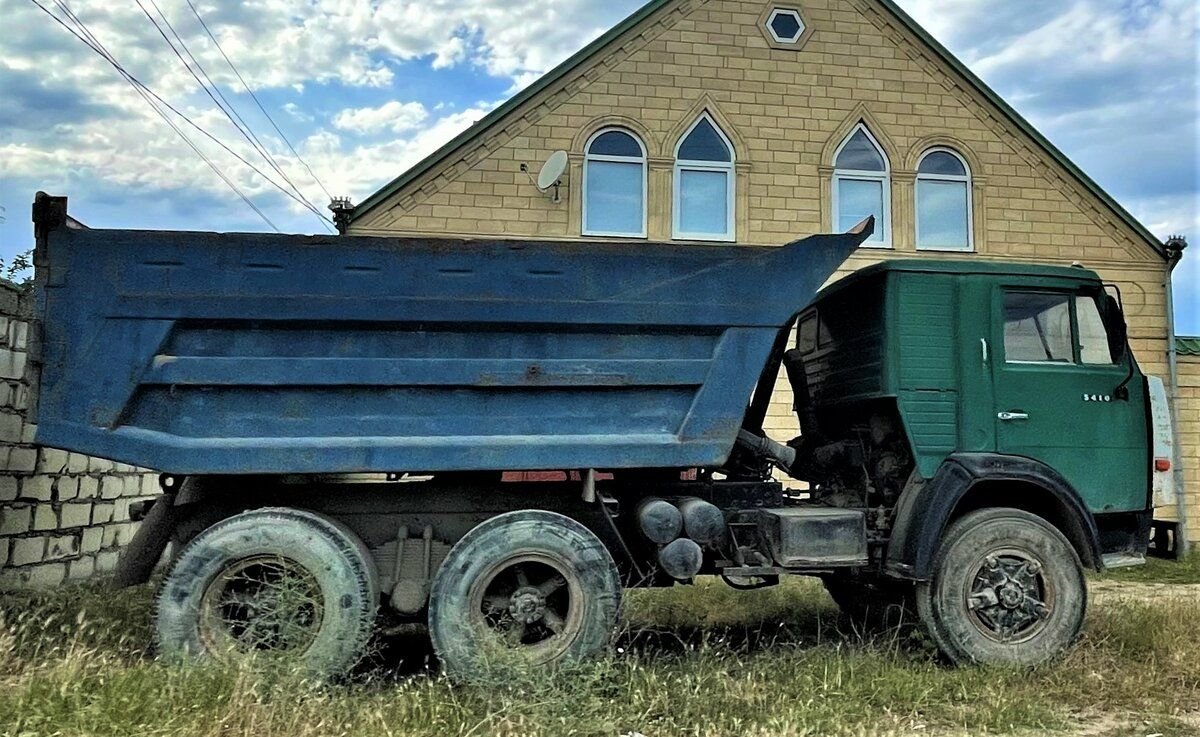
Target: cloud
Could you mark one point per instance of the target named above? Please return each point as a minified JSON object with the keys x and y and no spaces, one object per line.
{"x":366,"y":88}
{"x":394,"y":115}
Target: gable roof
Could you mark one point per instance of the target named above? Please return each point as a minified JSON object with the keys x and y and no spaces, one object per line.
{"x":601,"y":44}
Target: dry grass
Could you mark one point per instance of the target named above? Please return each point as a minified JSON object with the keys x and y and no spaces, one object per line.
{"x":700,"y":661}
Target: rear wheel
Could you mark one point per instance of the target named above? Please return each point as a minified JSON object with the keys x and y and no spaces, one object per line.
{"x":271,"y":582}
{"x":531,"y":585}
{"x":1007,"y":588}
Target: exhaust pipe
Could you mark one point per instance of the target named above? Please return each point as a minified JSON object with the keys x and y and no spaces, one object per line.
{"x":781,"y":455}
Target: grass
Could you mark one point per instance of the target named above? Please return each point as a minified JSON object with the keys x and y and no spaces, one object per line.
{"x":1186,"y":571}
{"x":701,"y":661}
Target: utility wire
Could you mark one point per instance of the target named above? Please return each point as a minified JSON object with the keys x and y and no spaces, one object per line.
{"x":147,"y":95}
{"x":255,"y":144}
{"x":225,"y":106}
{"x":254,"y":97}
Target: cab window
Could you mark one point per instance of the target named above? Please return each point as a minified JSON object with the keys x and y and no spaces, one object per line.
{"x":1037,"y":328}
{"x":1094,"y":345}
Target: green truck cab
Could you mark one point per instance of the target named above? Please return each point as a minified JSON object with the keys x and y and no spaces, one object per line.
{"x":995,"y":426}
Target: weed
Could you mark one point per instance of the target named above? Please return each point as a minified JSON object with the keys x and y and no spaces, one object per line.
{"x":703,"y":661}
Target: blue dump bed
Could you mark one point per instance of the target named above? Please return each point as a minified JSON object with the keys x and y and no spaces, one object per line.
{"x":202,"y":353}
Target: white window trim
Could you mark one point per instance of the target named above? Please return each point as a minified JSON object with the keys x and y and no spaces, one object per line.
{"x":728,"y":168}
{"x":643,"y":161}
{"x":964,"y":179}
{"x":786,"y":11}
{"x":885,"y":177}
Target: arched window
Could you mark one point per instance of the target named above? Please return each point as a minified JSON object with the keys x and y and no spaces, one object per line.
{"x":944,"y":202}
{"x":614,"y":184}
{"x":704,"y":183}
{"x":862,"y":186}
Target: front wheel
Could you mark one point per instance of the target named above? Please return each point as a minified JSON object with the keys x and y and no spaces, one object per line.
{"x":1007,"y":588}
{"x":531,"y":585}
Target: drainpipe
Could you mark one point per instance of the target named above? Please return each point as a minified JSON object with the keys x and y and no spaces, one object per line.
{"x":1174,"y":247}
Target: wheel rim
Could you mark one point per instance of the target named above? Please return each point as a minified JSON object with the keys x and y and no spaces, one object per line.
{"x":531,"y":604}
{"x":1009,"y":597}
{"x":265,"y":603}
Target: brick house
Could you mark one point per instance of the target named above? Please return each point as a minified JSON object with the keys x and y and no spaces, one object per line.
{"x":755,"y":122}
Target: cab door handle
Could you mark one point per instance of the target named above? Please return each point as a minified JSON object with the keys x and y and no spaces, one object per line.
{"x":1010,"y":416}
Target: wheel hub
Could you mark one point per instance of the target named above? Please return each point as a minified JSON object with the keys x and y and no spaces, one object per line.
{"x":1008,"y":597}
{"x":527,"y":605}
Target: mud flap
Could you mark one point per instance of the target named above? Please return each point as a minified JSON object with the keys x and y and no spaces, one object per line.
{"x":143,"y":552}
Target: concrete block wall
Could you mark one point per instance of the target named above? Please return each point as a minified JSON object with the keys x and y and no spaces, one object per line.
{"x":1188,"y":416}
{"x":62,"y":515}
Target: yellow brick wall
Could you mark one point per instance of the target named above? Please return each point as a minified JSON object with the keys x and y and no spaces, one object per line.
{"x":1188,"y":416}
{"x":785,"y":111}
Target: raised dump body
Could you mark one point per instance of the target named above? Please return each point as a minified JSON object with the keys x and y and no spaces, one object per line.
{"x":202,"y":353}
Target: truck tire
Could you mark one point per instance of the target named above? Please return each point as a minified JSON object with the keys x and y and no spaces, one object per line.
{"x":271,"y":582}
{"x":531,"y":585}
{"x":872,"y":603}
{"x":1007,"y":588}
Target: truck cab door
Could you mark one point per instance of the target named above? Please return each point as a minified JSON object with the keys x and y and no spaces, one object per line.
{"x":1056,"y":378}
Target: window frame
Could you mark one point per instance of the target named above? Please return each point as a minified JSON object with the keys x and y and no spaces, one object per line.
{"x":884,"y":178}
{"x":729,"y":169}
{"x":1072,"y":298}
{"x":643,"y":162}
{"x":964,"y":179}
{"x":776,"y":12}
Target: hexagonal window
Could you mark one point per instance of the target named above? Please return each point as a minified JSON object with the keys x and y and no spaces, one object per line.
{"x":785,"y":25}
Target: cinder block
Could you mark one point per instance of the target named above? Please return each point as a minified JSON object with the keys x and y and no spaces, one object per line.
{"x":91,"y":539}
{"x":111,"y":487}
{"x":83,"y":568}
{"x":67,"y":487}
{"x":99,"y":465}
{"x":15,"y":520}
{"x":62,"y":546}
{"x":22,"y":460}
{"x":12,"y":363}
{"x":89,"y":487}
{"x":39,"y":488}
{"x":52,"y":460}
{"x":106,"y":561}
{"x":44,"y":517}
{"x":28,"y":433}
{"x":45,"y":576}
{"x":77,"y":463}
{"x":11,"y":427}
{"x":102,"y":513}
{"x":131,"y":486}
{"x":18,"y":334}
{"x":27,"y":551}
{"x":75,"y":514}
{"x":4,"y":546}
{"x":9,"y":488}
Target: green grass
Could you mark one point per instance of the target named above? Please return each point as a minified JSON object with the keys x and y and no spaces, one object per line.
{"x":702,"y":661}
{"x":1186,"y":571}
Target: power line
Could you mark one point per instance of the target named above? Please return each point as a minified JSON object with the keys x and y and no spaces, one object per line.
{"x":254,"y":97}
{"x":223,"y":103}
{"x":95,"y":45}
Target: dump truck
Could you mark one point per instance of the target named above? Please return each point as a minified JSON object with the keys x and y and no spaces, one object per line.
{"x":496,"y":438}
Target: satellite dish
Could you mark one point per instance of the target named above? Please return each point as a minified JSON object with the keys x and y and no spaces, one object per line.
{"x":552,"y":170}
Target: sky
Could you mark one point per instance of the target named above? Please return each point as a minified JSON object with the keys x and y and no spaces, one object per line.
{"x":363,"y":89}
